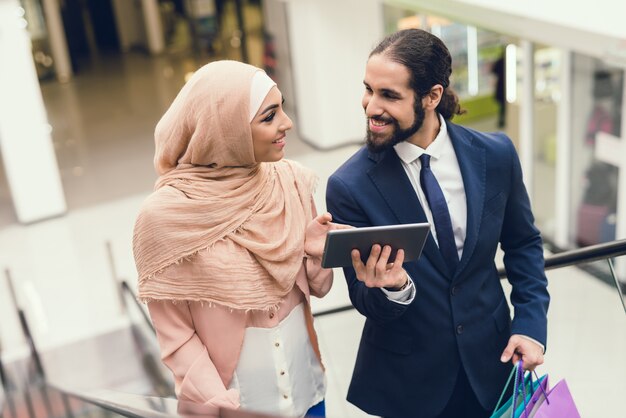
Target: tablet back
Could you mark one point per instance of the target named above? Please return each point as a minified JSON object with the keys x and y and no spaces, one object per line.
{"x":339,"y":243}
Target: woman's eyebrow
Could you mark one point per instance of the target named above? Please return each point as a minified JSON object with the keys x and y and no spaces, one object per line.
{"x":267,"y":109}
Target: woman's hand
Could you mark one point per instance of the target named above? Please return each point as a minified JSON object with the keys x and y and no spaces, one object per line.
{"x":315,"y":236}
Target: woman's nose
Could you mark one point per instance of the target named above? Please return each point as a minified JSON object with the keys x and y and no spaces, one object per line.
{"x":287,"y":124}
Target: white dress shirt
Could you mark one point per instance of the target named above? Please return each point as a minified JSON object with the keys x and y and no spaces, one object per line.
{"x":445,"y":167}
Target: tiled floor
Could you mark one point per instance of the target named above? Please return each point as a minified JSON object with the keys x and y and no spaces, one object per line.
{"x":103,"y":123}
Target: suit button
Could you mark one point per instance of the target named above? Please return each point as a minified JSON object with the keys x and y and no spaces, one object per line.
{"x":454,"y":290}
{"x":459,"y":329}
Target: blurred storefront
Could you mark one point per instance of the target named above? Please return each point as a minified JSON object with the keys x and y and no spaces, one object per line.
{"x":597,"y":108}
{"x":68,"y":36}
{"x":571,"y":92}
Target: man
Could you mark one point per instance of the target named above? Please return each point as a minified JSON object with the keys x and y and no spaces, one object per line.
{"x":438,"y":340}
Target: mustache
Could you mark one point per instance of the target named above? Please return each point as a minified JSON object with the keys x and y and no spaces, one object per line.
{"x":382,"y":119}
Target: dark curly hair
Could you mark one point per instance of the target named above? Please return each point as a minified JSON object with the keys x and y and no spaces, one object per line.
{"x":428,"y":61}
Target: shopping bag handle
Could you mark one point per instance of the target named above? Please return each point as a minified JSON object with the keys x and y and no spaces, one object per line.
{"x":506,"y":385}
{"x":517,"y":368}
{"x":520,"y":380}
{"x":530,"y":386}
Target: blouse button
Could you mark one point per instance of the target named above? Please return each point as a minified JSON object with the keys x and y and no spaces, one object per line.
{"x":282,"y":372}
{"x":271,"y":315}
{"x":277,"y":344}
{"x":285,"y":396}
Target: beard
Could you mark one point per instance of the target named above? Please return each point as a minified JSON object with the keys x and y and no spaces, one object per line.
{"x":378,"y":143}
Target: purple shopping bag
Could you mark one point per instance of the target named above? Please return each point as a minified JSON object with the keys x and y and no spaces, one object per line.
{"x":557,"y":403}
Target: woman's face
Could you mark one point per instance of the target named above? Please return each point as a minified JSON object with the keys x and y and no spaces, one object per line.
{"x":269,"y":127}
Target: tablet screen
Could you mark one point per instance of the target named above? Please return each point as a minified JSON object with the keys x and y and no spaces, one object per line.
{"x":341,"y":242}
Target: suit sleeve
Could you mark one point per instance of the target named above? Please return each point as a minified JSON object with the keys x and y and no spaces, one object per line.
{"x":196,"y":378}
{"x":370,"y":302}
{"x":523,"y":259}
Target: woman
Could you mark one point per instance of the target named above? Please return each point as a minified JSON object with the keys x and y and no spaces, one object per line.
{"x":228,"y":249}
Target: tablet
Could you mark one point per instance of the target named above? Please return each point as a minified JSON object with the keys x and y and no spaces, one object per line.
{"x":341,"y":242}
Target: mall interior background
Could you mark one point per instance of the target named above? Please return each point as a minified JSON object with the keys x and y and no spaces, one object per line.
{"x":103,"y":72}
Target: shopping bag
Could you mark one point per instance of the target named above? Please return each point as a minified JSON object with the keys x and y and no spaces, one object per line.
{"x":523,"y":389}
{"x":557,"y":403}
{"x":537,"y":397}
{"x":537,"y":391}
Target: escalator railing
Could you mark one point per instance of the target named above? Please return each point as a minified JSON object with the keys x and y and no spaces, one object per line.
{"x":140,"y":406}
{"x":605,"y":251}
{"x":67,"y":402}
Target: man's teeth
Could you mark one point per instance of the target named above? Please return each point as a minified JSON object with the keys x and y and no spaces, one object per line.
{"x":378,"y":123}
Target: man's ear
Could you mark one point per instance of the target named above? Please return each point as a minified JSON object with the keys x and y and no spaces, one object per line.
{"x":433,"y":97}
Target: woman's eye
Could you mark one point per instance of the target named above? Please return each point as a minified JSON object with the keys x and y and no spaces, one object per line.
{"x":269,"y":117}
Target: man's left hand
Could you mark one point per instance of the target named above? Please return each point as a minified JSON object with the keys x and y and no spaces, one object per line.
{"x":525,"y":349}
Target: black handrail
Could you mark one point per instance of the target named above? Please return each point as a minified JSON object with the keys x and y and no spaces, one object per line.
{"x":563,"y":259}
{"x":34,"y":353}
{"x":126,"y":288}
{"x":582,"y":255}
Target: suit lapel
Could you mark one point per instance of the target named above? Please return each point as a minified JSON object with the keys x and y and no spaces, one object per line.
{"x":395,"y":187}
{"x":472,"y":163}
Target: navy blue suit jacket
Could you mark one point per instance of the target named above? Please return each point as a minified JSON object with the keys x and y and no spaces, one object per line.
{"x":409,"y":355}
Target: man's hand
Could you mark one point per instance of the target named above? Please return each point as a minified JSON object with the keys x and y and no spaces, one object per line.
{"x":525,"y":349}
{"x":315,"y":235}
{"x":377,"y":271}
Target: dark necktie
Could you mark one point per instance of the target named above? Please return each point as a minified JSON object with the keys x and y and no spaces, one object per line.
{"x":441,"y":215}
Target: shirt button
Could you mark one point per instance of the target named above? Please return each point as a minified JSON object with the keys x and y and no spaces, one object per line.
{"x":271,"y":315}
{"x":282,"y":372}
{"x":277,"y":344}
{"x":454,"y":290}
{"x":285,"y":396}
{"x":459,"y":329}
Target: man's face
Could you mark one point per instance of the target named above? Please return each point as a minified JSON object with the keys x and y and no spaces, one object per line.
{"x":393,"y":115}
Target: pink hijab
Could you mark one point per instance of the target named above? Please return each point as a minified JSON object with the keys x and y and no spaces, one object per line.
{"x":219,"y":227}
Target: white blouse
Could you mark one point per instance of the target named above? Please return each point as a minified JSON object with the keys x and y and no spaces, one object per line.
{"x":278,"y":372}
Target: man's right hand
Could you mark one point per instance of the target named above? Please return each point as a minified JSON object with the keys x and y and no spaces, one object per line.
{"x":377,"y":271}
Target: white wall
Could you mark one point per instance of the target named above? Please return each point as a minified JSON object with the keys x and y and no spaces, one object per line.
{"x":25,"y":135}
{"x":600,"y":16}
{"x":329,"y":42}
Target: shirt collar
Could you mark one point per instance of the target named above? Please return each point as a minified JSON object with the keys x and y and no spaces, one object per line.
{"x":409,"y":152}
